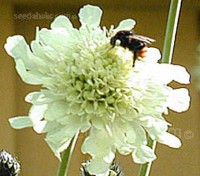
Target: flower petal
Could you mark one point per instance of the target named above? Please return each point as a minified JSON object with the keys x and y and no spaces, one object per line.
{"x":36,"y":115}
{"x":180,"y":74}
{"x":58,"y":140}
{"x":56,"y":110}
{"x":152,"y":55}
{"x":42,"y":97}
{"x":173,"y":72}
{"x":62,"y":22}
{"x":90,"y":16}
{"x":169,"y":139}
{"x":63,"y":25}
{"x":17,"y":47}
{"x":51,"y":40}
{"x":20,"y":122}
{"x":143,"y":155}
{"x":93,"y":144}
{"x":26,"y":75}
{"x":98,"y":167}
{"x":179,"y":100}
{"x":102,"y":154}
{"x":127,"y":24}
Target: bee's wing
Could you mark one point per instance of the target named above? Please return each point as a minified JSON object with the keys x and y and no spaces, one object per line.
{"x":142,"y":38}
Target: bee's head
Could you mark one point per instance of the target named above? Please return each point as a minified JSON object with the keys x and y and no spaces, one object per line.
{"x":120,"y":36}
{"x":113,"y":41}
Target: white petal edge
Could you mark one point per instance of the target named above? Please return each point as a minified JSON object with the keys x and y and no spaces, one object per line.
{"x":90,"y":16}
{"x":62,"y":22}
{"x":169,"y":139}
{"x":98,"y":167}
{"x":20,"y":122}
{"x":152,"y":55}
{"x":180,"y":74}
{"x":127,"y":24}
{"x":11,"y":42}
{"x":36,"y":115}
{"x":27,"y":76}
{"x":143,"y":154}
{"x":179,"y":100}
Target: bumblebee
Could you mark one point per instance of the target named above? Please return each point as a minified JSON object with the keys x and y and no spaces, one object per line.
{"x":135,"y":43}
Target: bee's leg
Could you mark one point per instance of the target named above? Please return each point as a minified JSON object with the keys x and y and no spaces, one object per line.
{"x":135,"y":57}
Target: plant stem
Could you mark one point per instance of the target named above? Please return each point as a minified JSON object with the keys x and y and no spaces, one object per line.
{"x":171,"y":29}
{"x":168,"y":48}
{"x":145,"y":168}
{"x":66,"y":157}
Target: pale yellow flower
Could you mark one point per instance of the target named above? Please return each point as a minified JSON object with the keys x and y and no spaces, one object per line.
{"x":88,"y":85}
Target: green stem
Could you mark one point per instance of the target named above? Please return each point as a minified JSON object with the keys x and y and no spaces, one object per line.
{"x":66,"y":157}
{"x":168,"y":48}
{"x":171,"y":29}
{"x":145,"y":168}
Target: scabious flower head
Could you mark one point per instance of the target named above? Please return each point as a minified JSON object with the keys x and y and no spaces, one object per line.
{"x":9,"y":166}
{"x":89,"y":85}
{"x":115,"y":170}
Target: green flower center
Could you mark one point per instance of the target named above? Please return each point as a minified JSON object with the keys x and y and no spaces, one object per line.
{"x":95,"y":81}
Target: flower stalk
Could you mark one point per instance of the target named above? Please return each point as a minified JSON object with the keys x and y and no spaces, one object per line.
{"x":66,"y":157}
{"x":145,"y":168}
{"x":169,"y":41}
{"x":170,"y":34}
